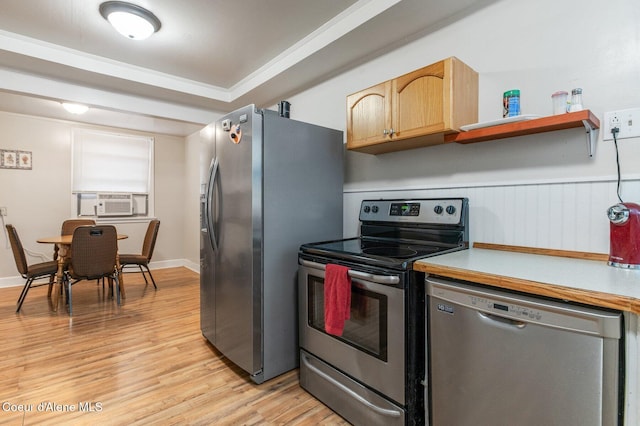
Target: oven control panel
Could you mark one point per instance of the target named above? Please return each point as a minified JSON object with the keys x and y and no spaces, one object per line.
{"x":445,"y":211}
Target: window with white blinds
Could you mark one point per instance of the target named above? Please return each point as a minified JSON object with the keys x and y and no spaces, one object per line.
{"x":109,"y":162}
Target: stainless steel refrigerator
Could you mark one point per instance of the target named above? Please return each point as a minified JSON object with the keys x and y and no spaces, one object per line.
{"x":272,"y":185}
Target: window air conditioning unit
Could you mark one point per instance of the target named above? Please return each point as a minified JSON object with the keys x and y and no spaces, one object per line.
{"x":115,"y":205}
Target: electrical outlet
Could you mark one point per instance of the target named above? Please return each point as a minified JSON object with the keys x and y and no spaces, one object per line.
{"x":3,"y":211}
{"x":614,"y":120}
{"x":626,"y":120}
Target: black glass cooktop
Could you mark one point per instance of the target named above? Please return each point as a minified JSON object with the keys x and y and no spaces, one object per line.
{"x":377,"y":252}
{"x":395,"y":233}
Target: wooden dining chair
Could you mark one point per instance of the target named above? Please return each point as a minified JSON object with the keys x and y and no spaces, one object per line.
{"x":142,"y":260}
{"x":68,"y":226}
{"x":94,"y":256}
{"x":29,"y":272}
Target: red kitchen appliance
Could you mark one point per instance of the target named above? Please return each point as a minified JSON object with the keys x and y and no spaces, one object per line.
{"x":624,"y":251}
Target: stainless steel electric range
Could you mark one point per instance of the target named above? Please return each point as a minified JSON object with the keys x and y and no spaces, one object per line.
{"x":373,"y":373}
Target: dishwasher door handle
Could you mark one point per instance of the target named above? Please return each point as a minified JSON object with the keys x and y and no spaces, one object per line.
{"x":503,"y":320}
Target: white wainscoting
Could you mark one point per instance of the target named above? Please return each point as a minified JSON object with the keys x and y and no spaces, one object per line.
{"x":564,"y":215}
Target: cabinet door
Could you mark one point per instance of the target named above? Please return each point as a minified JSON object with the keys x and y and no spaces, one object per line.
{"x":369,"y":116}
{"x":419,"y":102}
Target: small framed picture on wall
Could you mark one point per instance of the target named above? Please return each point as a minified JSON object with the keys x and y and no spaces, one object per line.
{"x":13,"y":159}
{"x":9,"y":159}
{"x":24,"y":159}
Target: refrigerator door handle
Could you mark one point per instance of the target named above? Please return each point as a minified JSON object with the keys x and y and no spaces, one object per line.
{"x":209,"y":208}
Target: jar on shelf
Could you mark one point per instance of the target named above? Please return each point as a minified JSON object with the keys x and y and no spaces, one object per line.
{"x":511,"y":103}
{"x":560,"y":102}
{"x":576,"y":100}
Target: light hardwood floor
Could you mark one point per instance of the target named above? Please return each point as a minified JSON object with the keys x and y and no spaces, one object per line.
{"x":143,"y":363}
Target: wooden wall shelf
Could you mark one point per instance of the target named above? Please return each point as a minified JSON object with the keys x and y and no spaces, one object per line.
{"x":584,"y":118}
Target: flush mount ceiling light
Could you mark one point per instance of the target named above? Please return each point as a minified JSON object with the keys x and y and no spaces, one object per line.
{"x":130,"y":20}
{"x":75,"y":108}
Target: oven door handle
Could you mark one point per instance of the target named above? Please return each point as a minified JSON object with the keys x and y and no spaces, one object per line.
{"x":352,"y":394}
{"x":380,"y":279}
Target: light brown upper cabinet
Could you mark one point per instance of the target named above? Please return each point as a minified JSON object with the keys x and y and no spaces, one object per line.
{"x":414,"y":110}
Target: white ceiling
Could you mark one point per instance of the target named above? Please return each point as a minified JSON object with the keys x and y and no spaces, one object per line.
{"x":209,"y":57}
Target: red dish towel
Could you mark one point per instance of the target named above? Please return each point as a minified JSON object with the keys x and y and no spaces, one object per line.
{"x":337,"y":298}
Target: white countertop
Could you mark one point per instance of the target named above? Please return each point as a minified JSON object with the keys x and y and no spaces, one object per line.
{"x":587,"y":281}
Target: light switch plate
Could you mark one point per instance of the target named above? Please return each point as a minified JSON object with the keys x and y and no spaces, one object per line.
{"x":627,"y":120}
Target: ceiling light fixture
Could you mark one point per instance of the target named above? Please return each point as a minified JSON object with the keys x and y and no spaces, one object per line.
{"x":130,"y":20}
{"x":75,"y":108}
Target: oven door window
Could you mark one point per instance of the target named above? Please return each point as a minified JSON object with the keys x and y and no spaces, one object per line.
{"x":366,"y":328}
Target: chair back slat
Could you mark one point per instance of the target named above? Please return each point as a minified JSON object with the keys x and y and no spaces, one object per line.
{"x":18,"y":251}
{"x":150,"y":239}
{"x":94,"y":251}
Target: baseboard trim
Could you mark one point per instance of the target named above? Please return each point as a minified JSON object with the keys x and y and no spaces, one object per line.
{"x":18,"y":281}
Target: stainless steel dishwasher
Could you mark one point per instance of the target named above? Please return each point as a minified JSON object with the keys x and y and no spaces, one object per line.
{"x":499,"y":358}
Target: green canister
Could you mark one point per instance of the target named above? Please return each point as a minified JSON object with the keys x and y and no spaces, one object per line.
{"x":511,"y":103}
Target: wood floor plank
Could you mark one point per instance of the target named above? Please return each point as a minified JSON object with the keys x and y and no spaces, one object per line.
{"x":143,"y":363}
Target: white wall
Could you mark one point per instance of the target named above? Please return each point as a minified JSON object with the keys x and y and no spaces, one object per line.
{"x":199,"y":153}
{"x":191,"y":193}
{"x":38,"y":200}
{"x":519,"y":188}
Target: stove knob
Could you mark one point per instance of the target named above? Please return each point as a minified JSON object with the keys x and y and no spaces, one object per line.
{"x":451,"y":209}
{"x":374,"y":209}
{"x":438,"y":209}
{"x":367,"y":209}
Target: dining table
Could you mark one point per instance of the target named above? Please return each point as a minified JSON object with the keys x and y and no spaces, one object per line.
{"x":64,"y":245}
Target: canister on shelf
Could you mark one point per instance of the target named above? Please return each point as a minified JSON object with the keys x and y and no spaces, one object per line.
{"x":559,"y":101}
{"x":576,"y":100}
{"x":511,"y":103}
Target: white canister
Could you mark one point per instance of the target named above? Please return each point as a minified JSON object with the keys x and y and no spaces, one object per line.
{"x":576,"y":100}
{"x":559,"y":102}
